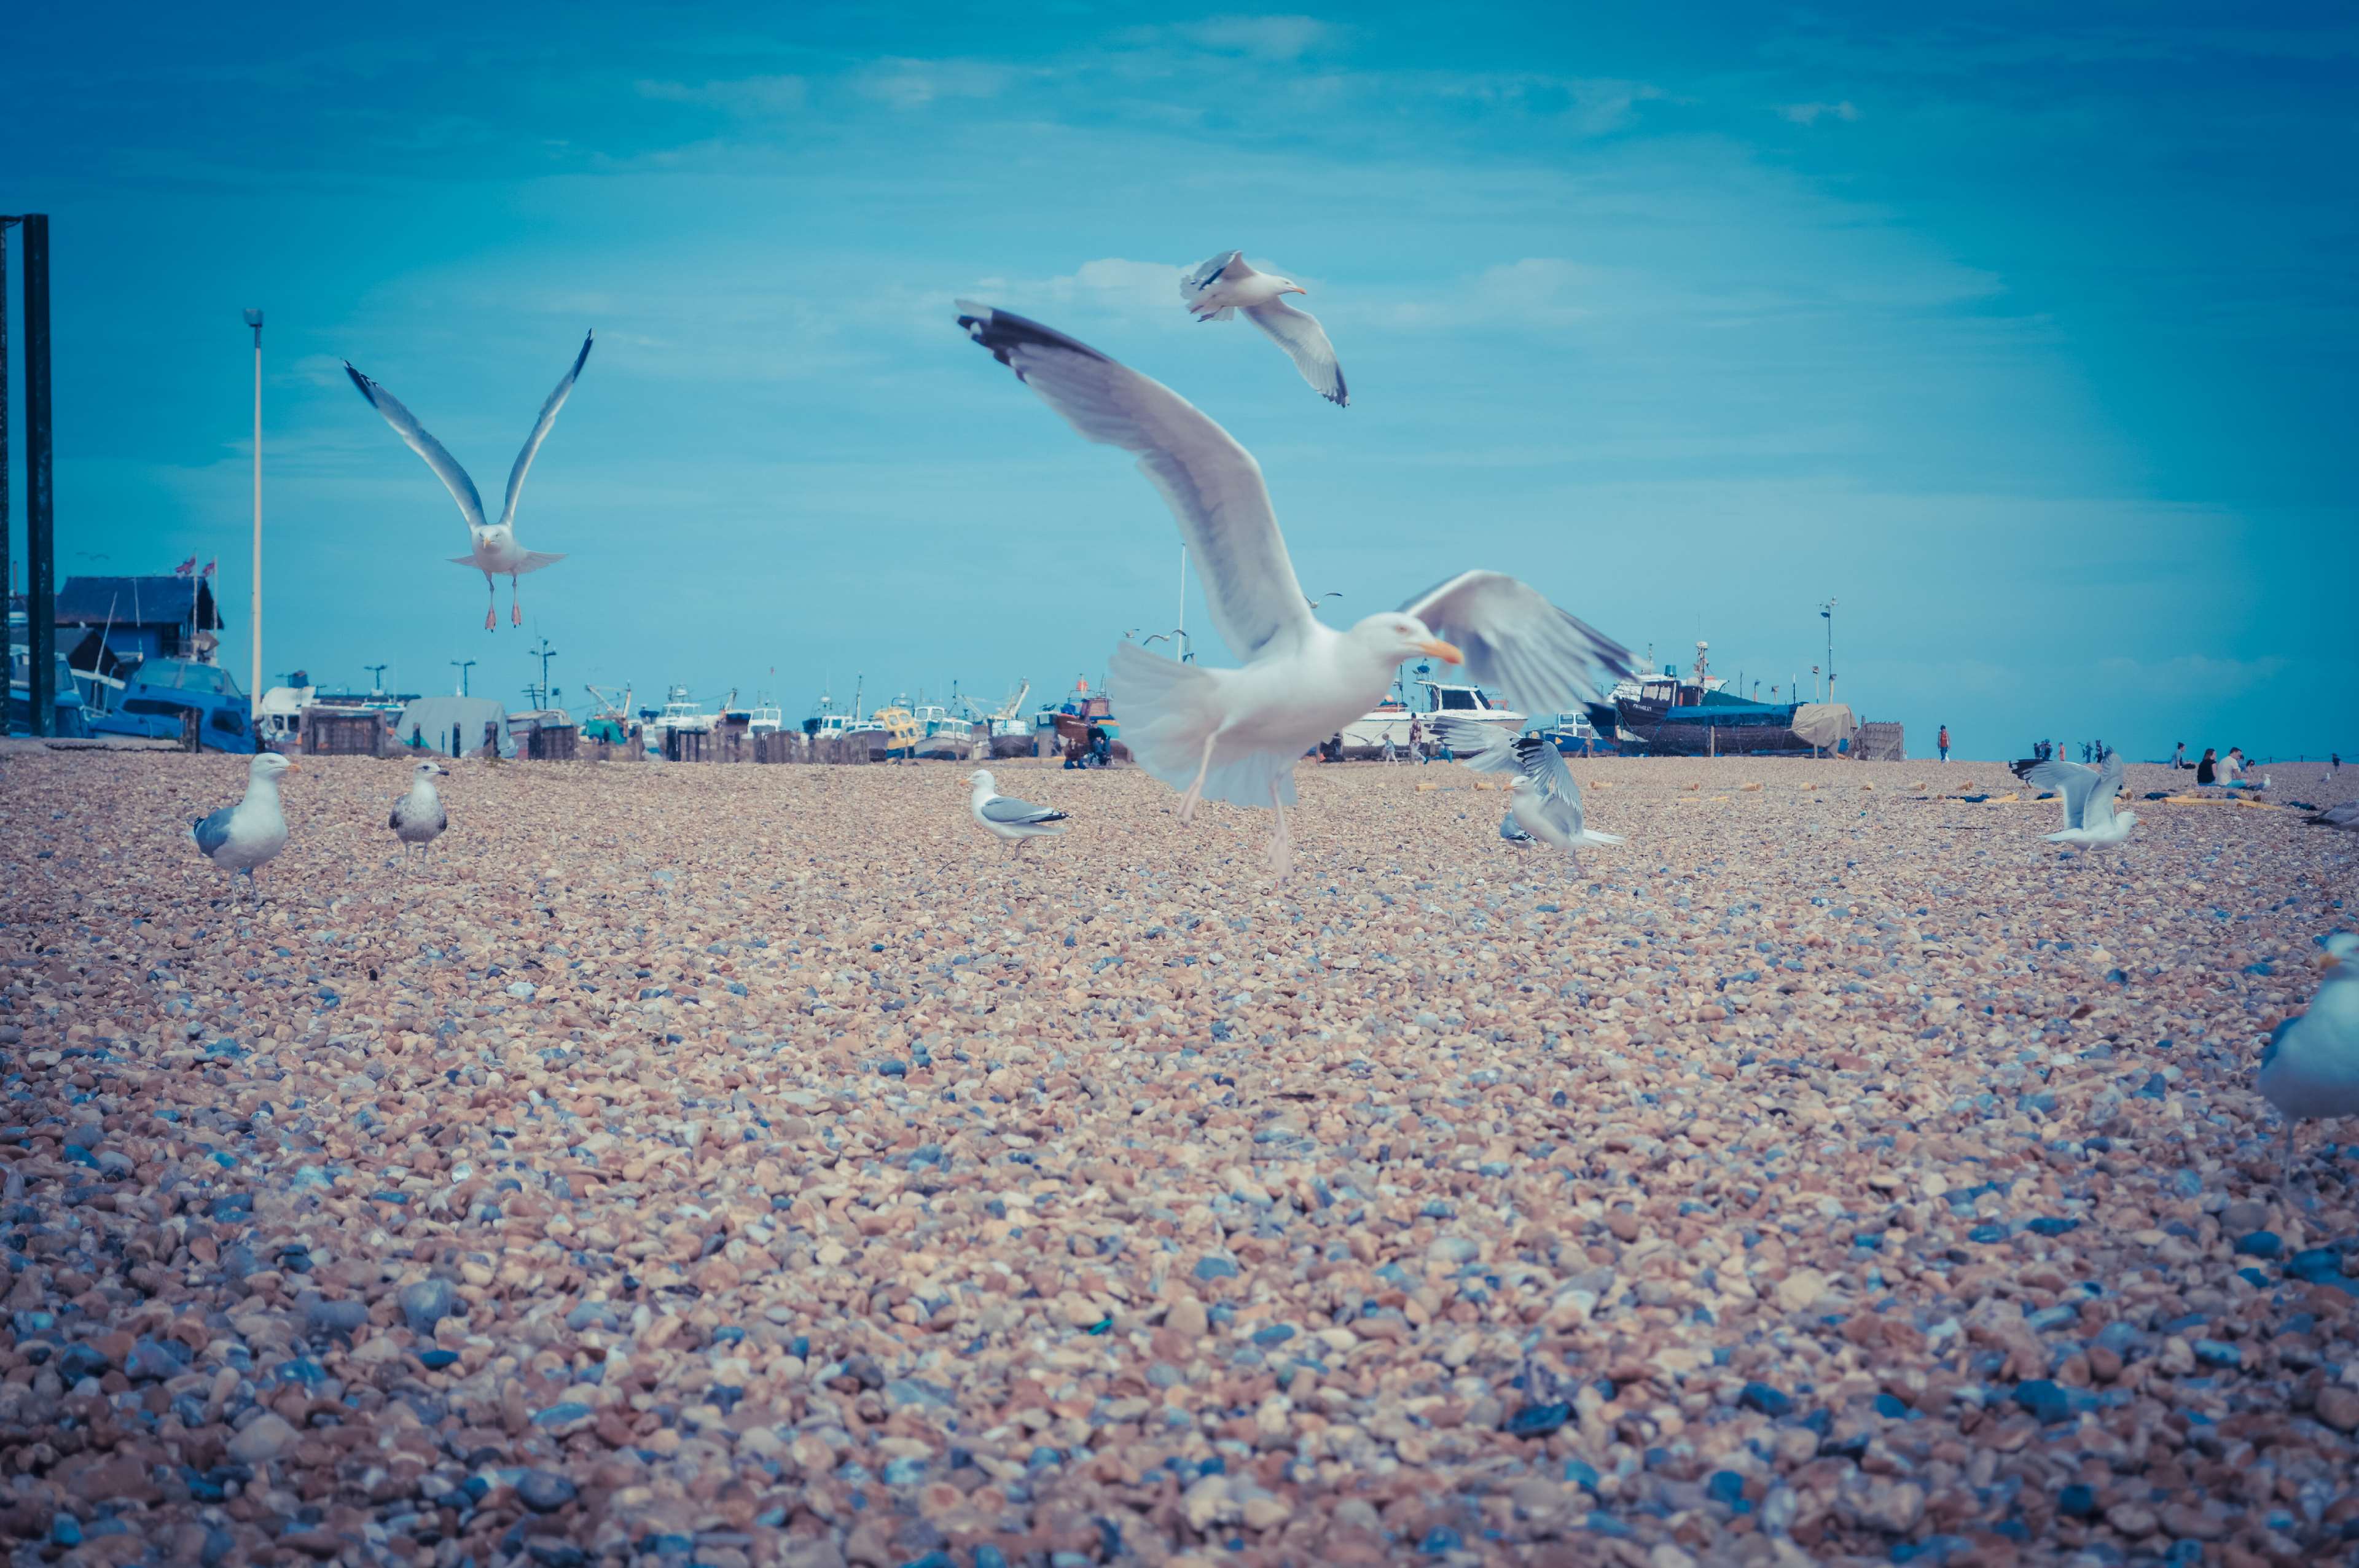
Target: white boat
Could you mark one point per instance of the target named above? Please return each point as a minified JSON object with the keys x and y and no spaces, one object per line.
{"x":1419,"y":706}
{"x":679,"y":713}
{"x":764,"y":719}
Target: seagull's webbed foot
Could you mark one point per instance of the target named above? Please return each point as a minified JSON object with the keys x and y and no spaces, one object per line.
{"x":492,"y":616}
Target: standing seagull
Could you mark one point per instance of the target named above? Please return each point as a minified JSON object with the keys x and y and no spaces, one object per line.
{"x":1005,"y":817}
{"x":494,"y":549}
{"x":1224,"y":286}
{"x":1543,"y":801}
{"x":1234,"y":735}
{"x":2089,"y":821}
{"x":2310,"y":1065}
{"x":417,"y":817}
{"x":2345,"y":817}
{"x":243,"y":837}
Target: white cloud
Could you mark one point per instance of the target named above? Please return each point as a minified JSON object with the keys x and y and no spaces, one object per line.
{"x":1537,"y":291}
{"x":1113,"y":286}
{"x":1264,"y":38}
{"x":914,"y":84}
{"x":1811,"y":114}
{"x":744,"y":95}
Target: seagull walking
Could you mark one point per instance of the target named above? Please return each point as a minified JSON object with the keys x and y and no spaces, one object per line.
{"x":1543,"y":801}
{"x":494,"y":548}
{"x":243,"y":837}
{"x":2310,"y":1065}
{"x":1217,"y":289}
{"x":1009,"y":819}
{"x":1234,"y":734}
{"x":418,"y":817}
{"x":2090,"y":820}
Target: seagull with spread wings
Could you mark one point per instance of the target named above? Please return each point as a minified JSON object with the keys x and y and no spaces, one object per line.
{"x":1543,"y":801}
{"x":495,"y":550}
{"x":2090,"y":820}
{"x":1219,"y":288}
{"x":1234,"y":734}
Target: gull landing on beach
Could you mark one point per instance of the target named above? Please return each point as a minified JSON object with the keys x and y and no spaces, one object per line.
{"x":1234,"y":735}
{"x":1224,"y":286}
{"x":495,"y":551}
{"x":1543,"y":801}
{"x":2089,"y":821}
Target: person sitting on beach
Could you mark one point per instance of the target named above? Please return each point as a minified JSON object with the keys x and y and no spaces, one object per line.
{"x":2178,"y":757}
{"x":2232,"y":766}
{"x":2208,"y":770}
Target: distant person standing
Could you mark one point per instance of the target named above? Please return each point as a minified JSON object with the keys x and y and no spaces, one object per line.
{"x":2336,"y":759}
{"x":1943,"y":740}
{"x":2208,"y":771}
{"x":2178,"y":757}
{"x":1389,"y":754}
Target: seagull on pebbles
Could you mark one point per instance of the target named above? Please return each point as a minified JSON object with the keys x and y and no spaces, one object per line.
{"x":2310,"y":1065}
{"x":1005,"y":817}
{"x":494,"y":549}
{"x":1543,"y":801}
{"x":1224,"y":286}
{"x":2090,"y":820}
{"x":243,"y":837}
{"x":1234,"y":735}
{"x":418,"y":817}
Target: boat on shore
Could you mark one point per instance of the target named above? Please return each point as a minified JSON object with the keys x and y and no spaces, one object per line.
{"x":1414,"y":709}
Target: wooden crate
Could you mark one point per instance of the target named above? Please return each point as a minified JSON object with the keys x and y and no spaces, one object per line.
{"x":554,"y":743}
{"x":1879,"y":743}
{"x":332,"y":733}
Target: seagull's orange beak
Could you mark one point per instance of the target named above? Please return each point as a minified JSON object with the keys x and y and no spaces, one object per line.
{"x":1294,"y":288}
{"x":1447,"y":652}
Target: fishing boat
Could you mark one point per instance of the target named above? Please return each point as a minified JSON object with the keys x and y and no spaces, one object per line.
{"x":1415,"y":705}
{"x":678,"y":712}
{"x":1695,"y":716}
{"x":158,"y":691}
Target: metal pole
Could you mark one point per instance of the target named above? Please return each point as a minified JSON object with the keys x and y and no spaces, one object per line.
{"x":40,"y":529}
{"x":8,"y":568}
{"x":254,"y":320}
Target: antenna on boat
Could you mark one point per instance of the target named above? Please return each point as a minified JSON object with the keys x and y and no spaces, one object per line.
{"x":376,"y":678}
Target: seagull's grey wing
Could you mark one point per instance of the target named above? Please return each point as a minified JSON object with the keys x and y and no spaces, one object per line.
{"x":212,"y":832}
{"x":1485,"y":748}
{"x":1565,"y":812}
{"x":1537,"y":760}
{"x":1202,"y":276}
{"x":1211,"y":484}
{"x":405,"y":425}
{"x":540,"y":428}
{"x":1512,"y":833}
{"x":2073,"y":780}
{"x":1543,"y":659}
{"x":1305,"y":342}
{"x":2098,"y":810}
{"x":1017,"y":813}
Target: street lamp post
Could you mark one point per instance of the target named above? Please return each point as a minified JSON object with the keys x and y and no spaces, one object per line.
{"x":464,"y":665}
{"x":376,"y":681}
{"x":1827,"y":613}
{"x":254,"y":320}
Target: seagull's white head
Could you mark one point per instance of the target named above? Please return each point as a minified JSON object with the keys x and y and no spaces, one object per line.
{"x":1288,"y":286}
{"x":2341,"y":948}
{"x":1396,"y":637}
{"x":430,"y":769}
{"x":268,"y":765}
{"x":982,"y":780}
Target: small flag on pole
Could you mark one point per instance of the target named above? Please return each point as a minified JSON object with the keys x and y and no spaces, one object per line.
{"x":186,"y":568}
{"x":211,"y":567}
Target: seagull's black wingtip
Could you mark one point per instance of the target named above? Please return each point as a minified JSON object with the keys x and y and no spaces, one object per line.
{"x":1004,"y":332}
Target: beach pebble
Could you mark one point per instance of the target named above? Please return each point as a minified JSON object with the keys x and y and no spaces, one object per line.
{"x":755,"y":1165}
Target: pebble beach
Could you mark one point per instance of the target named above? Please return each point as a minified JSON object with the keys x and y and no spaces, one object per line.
{"x":759,"y":1165}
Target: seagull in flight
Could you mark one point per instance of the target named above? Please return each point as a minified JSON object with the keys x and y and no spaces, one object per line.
{"x":2090,"y":820}
{"x":495,"y":550}
{"x":1220,"y":287}
{"x":1543,"y":801}
{"x":1007,"y":818}
{"x":1234,"y":734}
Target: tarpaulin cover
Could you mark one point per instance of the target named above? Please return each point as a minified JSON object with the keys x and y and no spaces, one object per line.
{"x":1825,"y":724}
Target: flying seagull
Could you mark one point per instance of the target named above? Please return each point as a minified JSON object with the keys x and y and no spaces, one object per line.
{"x":1234,"y":735}
{"x":243,"y":837}
{"x":1543,"y":801}
{"x":2310,"y":1065}
{"x":1219,"y":288}
{"x":418,"y":817}
{"x":494,"y":549}
{"x":2090,"y":820}
{"x":1003,"y":817}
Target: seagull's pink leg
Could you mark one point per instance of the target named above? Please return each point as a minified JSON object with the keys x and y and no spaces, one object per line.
{"x":490,"y":604}
{"x":1188,"y":802}
{"x":515,"y":610}
{"x":1281,"y":843}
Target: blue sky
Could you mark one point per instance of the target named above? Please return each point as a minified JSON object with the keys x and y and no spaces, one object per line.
{"x":2028,"y":338}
